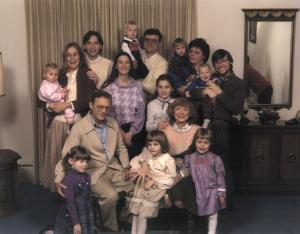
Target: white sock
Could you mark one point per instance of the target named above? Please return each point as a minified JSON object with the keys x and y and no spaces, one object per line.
{"x":134,"y":225}
{"x":142,"y":225}
{"x":212,"y":223}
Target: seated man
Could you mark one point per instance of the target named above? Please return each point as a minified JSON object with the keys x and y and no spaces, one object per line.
{"x":100,"y":135}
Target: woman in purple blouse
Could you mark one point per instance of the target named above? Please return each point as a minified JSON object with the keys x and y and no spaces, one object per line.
{"x":128,"y":106}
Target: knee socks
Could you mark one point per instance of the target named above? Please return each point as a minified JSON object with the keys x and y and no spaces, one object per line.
{"x":139,"y":225}
{"x":212,"y":223}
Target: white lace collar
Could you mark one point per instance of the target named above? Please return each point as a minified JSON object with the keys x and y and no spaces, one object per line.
{"x":185,"y":128}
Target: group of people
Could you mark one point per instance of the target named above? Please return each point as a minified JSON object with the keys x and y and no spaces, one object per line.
{"x":155,"y":131}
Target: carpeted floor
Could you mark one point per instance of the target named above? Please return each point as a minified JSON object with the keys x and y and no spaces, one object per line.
{"x":253,"y":215}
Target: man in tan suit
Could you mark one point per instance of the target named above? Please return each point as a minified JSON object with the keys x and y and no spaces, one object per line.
{"x":100,"y":135}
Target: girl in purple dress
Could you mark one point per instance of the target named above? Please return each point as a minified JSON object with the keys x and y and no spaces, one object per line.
{"x":207,"y":171}
{"x":76,"y":215}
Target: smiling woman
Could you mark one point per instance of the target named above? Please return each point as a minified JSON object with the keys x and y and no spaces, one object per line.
{"x":73,"y":77}
{"x":182,"y":115}
{"x":128,"y":106}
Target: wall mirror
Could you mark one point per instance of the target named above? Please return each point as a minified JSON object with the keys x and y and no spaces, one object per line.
{"x":268,"y":64}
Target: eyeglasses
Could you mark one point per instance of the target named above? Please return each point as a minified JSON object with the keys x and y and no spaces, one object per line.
{"x":222,"y":61}
{"x":100,"y":108}
{"x":150,"y":41}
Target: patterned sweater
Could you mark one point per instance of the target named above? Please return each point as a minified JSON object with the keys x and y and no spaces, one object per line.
{"x":128,"y":104}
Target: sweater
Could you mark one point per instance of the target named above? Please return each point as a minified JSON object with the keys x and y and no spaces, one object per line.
{"x":157,"y":66}
{"x":128,"y":104}
{"x":102,"y":67}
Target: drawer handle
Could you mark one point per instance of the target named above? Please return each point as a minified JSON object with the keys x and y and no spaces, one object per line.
{"x":259,"y":158}
{"x":291,"y":158}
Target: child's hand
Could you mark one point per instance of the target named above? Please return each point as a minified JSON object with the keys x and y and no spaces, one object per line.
{"x":77,"y":229}
{"x":222,"y":200}
{"x":148,"y":185}
{"x":187,"y":94}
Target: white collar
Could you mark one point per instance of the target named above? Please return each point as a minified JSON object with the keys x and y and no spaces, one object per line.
{"x":72,"y":74}
{"x":128,"y":39}
{"x":185,"y":128}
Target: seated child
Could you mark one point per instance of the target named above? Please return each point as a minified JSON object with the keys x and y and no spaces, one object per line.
{"x":180,"y":68}
{"x":50,"y":90}
{"x":160,"y":177}
{"x":203,"y":104}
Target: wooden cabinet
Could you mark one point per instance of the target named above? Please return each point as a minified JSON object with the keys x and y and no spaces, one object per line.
{"x":266,"y":158}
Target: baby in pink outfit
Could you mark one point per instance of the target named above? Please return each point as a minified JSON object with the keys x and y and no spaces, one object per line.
{"x":51,"y":91}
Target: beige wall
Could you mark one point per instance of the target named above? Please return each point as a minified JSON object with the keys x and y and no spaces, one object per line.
{"x":220,"y":22}
{"x":16,"y":125}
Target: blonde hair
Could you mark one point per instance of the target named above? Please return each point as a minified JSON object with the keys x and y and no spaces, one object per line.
{"x":129,"y":22}
{"x":202,"y":65}
{"x":49,"y":66}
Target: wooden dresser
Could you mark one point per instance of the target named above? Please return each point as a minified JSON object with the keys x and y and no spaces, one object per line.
{"x":266,"y":158}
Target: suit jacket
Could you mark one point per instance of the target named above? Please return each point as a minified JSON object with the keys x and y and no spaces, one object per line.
{"x":83,"y":133}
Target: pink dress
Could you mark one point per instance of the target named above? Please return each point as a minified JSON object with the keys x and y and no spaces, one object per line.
{"x":53,"y":92}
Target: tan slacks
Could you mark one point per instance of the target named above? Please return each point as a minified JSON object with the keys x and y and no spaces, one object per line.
{"x":107,"y":187}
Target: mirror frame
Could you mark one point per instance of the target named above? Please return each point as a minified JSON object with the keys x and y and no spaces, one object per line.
{"x":283,"y":15}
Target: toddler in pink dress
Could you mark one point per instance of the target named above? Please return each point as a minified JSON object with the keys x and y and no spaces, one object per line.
{"x":51,"y":91}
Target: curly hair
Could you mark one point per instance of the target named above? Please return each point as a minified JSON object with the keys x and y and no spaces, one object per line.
{"x":201,"y":44}
{"x":185,"y":103}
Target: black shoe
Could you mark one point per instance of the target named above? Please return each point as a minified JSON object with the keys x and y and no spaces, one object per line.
{"x":224,"y":216}
{"x":47,"y":230}
{"x":106,"y":229}
{"x":190,"y":223}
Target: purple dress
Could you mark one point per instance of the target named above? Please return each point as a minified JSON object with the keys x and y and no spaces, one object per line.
{"x":208,"y":173}
{"x":78,"y":207}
